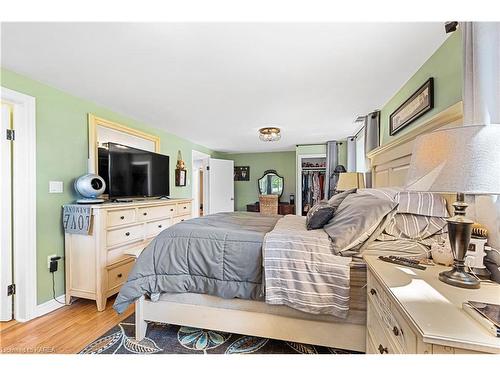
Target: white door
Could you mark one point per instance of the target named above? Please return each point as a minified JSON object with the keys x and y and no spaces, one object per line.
{"x":5,"y":213}
{"x":220,"y":186}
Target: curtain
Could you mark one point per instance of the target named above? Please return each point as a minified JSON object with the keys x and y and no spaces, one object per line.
{"x":332,"y":160}
{"x":481,"y":102}
{"x":481,"y":90}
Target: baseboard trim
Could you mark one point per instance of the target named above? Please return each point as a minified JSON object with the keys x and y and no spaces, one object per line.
{"x":49,"y":306}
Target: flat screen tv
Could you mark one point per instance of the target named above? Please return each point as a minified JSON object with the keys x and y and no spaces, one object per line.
{"x":133,"y":173}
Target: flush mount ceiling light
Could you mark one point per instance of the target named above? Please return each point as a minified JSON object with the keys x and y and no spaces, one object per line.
{"x":270,"y":134}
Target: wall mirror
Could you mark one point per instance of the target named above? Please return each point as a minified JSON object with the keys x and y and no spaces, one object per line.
{"x":102,"y":131}
{"x":271,"y":183}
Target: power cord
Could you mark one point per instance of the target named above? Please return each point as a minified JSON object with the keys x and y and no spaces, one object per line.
{"x":54,"y":290}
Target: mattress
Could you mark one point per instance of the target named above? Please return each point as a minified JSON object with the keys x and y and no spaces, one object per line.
{"x":356,"y":315}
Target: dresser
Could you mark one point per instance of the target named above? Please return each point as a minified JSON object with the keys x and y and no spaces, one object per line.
{"x":410,"y":311}
{"x":284,"y":208}
{"x":98,"y":264}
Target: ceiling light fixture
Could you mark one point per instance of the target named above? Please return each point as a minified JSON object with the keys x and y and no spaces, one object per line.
{"x":270,"y":134}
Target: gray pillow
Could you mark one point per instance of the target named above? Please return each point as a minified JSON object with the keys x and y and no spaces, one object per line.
{"x":357,"y":217}
{"x":338,"y":198}
{"x":319,"y":215}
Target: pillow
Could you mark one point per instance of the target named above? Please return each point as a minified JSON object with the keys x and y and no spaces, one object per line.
{"x":388,"y":193}
{"x":413,"y":227}
{"x":319,"y":215}
{"x":357,"y":217}
{"x":421,"y":203}
{"x":337,"y":199}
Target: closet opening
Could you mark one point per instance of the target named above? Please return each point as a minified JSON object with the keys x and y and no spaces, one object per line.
{"x":311,"y":180}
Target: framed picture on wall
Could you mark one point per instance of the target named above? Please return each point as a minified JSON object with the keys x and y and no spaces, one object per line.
{"x":241,"y":173}
{"x":420,"y":102}
{"x":180,"y":177}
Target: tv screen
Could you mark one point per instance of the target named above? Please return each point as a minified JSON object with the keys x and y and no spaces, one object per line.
{"x":131,"y":172}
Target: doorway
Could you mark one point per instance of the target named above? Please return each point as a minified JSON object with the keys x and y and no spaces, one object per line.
{"x":6,"y":257}
{"x":18,"y":282}
{"x":199,"y":178}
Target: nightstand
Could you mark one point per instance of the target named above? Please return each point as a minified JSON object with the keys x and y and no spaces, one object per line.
{"x":411,"y":312}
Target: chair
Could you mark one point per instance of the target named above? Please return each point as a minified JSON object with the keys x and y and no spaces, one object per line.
{"x":268,"y":205}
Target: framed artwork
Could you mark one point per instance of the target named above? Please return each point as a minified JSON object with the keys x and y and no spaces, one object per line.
{"x":241,"y":173}
{"x":420,"y":102}
{"x":180,"y":177}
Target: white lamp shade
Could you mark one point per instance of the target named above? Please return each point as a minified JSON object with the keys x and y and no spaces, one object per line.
{"x":463,"y":159}
{"x":350,"y":180}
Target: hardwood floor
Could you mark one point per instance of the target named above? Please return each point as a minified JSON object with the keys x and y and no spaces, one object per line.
{"x":66,"y":330}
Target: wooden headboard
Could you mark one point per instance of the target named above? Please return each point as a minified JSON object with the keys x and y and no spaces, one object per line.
{"x":390,"y":162}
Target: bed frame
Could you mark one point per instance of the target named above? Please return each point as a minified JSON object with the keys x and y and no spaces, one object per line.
{"x":389,"y":165}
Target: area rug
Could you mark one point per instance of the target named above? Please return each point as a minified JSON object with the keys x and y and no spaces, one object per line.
{"x":172,"y":339}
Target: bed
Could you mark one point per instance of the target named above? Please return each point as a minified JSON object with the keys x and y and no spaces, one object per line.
{"x":243,"y":311}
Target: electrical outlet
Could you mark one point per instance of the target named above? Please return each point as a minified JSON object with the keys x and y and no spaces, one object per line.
{"x":48,"y":260}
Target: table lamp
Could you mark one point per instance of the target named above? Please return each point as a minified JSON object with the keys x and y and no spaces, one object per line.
{"x":350,"y":180}
{"x":462,"y":160}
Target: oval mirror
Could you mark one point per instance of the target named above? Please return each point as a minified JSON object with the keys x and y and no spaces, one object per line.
{"x":271,"y":183}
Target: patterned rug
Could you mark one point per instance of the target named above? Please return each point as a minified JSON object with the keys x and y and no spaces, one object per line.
{"x":171,"y":339}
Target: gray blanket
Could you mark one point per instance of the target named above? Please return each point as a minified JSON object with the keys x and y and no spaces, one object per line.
{"x":218,"y":254}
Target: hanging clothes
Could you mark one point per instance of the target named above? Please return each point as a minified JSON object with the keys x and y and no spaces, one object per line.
{"x":313,"y":189}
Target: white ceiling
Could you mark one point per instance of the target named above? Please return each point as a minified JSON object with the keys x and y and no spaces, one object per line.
{"x":216,"y":84}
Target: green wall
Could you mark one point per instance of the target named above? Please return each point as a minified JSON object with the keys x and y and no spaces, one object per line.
{"x":246,"y":192}
{"x":62,"y":139}
{"x":445,"y":65}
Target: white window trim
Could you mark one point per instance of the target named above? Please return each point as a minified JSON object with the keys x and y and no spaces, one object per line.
{"x":24,"y":204}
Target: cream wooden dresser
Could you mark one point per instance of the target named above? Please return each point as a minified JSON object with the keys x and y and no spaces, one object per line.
{"x":97,"y":265}
{"x":411,"y":311}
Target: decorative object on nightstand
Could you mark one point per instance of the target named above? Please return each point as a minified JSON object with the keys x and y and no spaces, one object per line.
{"x":350,"y":180}
{"x":463,"y":160}
{"x":441,"y":253}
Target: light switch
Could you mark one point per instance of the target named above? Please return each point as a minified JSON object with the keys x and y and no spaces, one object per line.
{"x":55,"y":186}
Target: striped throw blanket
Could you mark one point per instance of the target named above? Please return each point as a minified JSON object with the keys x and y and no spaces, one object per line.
{"x":301,"y":271}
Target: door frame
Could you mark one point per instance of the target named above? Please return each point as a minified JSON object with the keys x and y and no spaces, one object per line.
{"x":195,"y":185}
{"x":24,"y":203}
{"x":298,"y":192}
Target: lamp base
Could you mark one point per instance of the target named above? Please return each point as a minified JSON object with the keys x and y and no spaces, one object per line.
{"x":459,"y":278}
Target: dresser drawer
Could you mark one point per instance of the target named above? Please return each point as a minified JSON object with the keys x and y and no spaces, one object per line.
{"x":118,"y":275}
{"x":120,"y":217}
{"x":155,"y":212}
{"x":395,"y":327}
{"x":155,"y":227}
{"x":178,"y":219}
{"x":183,"y":208}
{"x":124,"y":235}
{"x":377,"y":294}
{"x":401,"y":333}
{"x":378,"y":334}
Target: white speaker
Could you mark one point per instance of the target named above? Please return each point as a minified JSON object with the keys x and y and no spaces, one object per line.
{"x":90,"y":186}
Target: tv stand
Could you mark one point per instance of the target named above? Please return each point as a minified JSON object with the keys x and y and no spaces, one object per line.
{"x":97,"y":264}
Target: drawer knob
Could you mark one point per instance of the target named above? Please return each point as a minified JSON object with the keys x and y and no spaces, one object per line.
{"x":382,"y":350}
{"x":122,"y":217}
{"x":373,"y":291}
{"x":159,"y":226}
{"x":171,"y":209}
{"x":119,"y":275}
{"x":185,"y":207}
{"x":145,"y":213}
{"x":395,"y":330}
{"x":127,"y":234}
